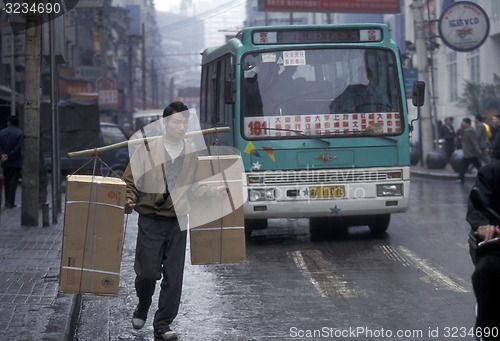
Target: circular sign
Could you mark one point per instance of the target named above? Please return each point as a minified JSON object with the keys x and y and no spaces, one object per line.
{"x":464,"y":26}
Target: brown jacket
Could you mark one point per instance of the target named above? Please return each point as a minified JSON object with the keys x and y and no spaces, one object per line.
{"x":147,"y":190}
{"x":470,"y":145}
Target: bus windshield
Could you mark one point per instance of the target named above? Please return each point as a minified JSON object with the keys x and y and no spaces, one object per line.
{"x":320,"y":92}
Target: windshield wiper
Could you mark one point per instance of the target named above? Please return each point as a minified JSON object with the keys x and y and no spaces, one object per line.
{"x":301,"y":133}
{"x":365,"y":134}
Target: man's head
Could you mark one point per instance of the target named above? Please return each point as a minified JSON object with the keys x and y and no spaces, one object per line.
{"x":13,"y":120}
{"x":479,"y":118}
{"x":466,"y":122}
{"x":495,"y":120}
{"x":176,"y":117}
{"x":175,"y":107}
{"x":448,"y":120}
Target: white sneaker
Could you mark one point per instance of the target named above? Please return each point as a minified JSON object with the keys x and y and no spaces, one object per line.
{"x":138,"y":323}
{"x":138,"y":319}
{"x":166,"y":333}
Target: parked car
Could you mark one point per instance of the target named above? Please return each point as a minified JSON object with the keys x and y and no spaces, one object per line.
{"x":117,"y":159}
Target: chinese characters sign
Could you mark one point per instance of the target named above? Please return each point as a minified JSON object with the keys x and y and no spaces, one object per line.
{"x":323,"y":124}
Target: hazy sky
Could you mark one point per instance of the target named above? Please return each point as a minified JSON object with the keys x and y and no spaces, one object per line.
{"x":164,"y":5}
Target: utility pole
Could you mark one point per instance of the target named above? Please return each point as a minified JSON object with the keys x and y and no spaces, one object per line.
{"x":154,"y":86}
{"x":56,"y":165}
{"x":13,"y":99}
{"x":144,"y":105}
{"x":31,"y":123}
{"x":131,"y":99}
{"x":102,"y":47}
{"x":426,"y":142}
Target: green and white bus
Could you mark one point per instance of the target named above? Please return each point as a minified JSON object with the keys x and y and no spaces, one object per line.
{"x":320,"y":117}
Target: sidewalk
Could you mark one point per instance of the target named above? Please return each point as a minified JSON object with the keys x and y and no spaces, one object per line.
{"x":447,"y":173}
{"x":31,"y":308}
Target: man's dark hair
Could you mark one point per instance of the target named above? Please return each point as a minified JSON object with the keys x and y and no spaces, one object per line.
{"x":174,"y":107}
{"x":479,"y":117}
{"x":467,"y":120}
{"x":13,"y":120}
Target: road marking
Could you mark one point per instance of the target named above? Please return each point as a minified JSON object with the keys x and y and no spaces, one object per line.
{"x":322,"y":274}
{"x":393,"y":254}
{"x":434,"y":276}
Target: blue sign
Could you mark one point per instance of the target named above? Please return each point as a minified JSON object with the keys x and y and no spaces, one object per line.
{"x":410,"y":76}
{"x":464,"y":26}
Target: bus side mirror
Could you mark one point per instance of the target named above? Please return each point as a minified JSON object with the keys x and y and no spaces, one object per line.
{"x":229,"y":92}
{"x":418,"y":94}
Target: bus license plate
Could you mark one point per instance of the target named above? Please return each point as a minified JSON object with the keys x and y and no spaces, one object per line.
{"x":321,"y":192}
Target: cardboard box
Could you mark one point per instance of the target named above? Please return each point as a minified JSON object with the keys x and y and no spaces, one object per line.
{"x":217,"y":232}
{"x":93,"y":235}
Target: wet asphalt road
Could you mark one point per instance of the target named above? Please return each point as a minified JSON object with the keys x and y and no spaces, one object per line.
{"x":412,"y":283}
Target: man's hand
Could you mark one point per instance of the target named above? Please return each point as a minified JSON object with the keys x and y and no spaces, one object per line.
{"x":486,"y":232}
{"x":222,"y":191}
{"x":129,"y":205}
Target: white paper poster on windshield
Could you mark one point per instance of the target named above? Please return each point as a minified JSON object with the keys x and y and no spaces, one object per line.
{"x":324,"y":124}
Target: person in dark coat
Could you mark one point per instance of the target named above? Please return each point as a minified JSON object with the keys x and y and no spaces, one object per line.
{"x":495,"y":144}
{"x":486,"y":276}
{"x":471,"y":148}
{"x":11,"y":143}
{"x":448,"y":135}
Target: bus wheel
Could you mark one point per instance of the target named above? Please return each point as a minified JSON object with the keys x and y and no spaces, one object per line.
{"x":254,"y":224}
{"x":380,"y":223}
{"x":316,"y":229}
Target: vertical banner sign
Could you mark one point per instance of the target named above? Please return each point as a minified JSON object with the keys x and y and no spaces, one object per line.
{"x":464,"y":26}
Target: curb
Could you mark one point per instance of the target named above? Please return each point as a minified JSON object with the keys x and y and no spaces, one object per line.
{"x":62,"y":322}
{"x":439,"y":175}
{"x":74,"y":313}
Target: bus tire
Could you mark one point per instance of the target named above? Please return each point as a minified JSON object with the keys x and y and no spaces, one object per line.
{"x":254,"y":224}
{"x":380,"y":223}
{"x":316,"y":229}
{"x":248,"y":232}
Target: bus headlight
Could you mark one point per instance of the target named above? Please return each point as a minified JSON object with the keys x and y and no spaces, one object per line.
{"x":390,"y":190}
{"x":261,"y":194}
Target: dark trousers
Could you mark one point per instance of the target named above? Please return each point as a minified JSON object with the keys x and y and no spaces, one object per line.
{"x":486,"y":284}
{"x":11,"y":177}
{"x":449,"y":148}
{"x":465,"y":164}
{"x":160,"y":254}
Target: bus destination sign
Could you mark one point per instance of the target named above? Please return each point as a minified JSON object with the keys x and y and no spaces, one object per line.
{"x":317,"y":36}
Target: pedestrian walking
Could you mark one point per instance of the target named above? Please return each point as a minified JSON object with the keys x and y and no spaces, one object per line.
{"x":494,"y":126}
{"x":11,"y":143}
{"x":483,"y":134}
{"x":495,"y":140}
{"x":160,"y":179}
{"x":448,"y":135}
{"x":495,"y":145}
{"x":470,"y":147}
